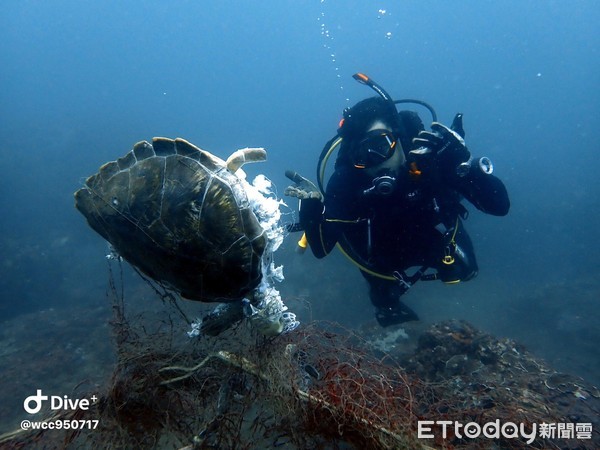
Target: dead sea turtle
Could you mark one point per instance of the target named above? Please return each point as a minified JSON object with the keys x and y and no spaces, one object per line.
{"x":180,"y":215}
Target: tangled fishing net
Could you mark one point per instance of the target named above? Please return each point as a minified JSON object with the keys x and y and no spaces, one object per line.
{"x":320,"y":386}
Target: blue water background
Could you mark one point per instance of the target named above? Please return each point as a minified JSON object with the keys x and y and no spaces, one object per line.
{"x":81,"y":81}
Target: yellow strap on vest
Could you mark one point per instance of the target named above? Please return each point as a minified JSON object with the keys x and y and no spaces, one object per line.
{"x":363,"y":268}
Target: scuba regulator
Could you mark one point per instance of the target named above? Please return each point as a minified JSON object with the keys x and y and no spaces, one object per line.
{"x":383,"y":185}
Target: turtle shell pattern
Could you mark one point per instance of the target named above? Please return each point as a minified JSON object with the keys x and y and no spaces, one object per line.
{"x":174,"y":211}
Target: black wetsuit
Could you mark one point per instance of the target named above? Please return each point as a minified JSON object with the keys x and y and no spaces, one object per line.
{"x":418,"y":224}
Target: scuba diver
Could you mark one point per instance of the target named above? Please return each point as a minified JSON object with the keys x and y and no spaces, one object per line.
{"x":393,"y":202}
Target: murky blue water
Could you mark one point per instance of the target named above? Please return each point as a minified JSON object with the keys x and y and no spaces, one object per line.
{"x":81,"y":81}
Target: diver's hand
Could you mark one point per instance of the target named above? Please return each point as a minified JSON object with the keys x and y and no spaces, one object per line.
{"x":302,"y":188}
{"x":443,"y":148}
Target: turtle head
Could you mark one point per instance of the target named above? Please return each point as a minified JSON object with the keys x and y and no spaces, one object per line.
{"x":245,"y":155}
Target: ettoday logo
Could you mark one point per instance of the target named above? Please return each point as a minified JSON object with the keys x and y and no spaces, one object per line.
{"x":33,"y":404}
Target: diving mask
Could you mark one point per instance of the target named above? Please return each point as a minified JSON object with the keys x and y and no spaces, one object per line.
{"x":377,"y":147}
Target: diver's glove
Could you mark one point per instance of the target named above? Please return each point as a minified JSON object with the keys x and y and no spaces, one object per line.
{"x":443,"y":150}
{"x":302,"y":188}
{"x":311,"y":199}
